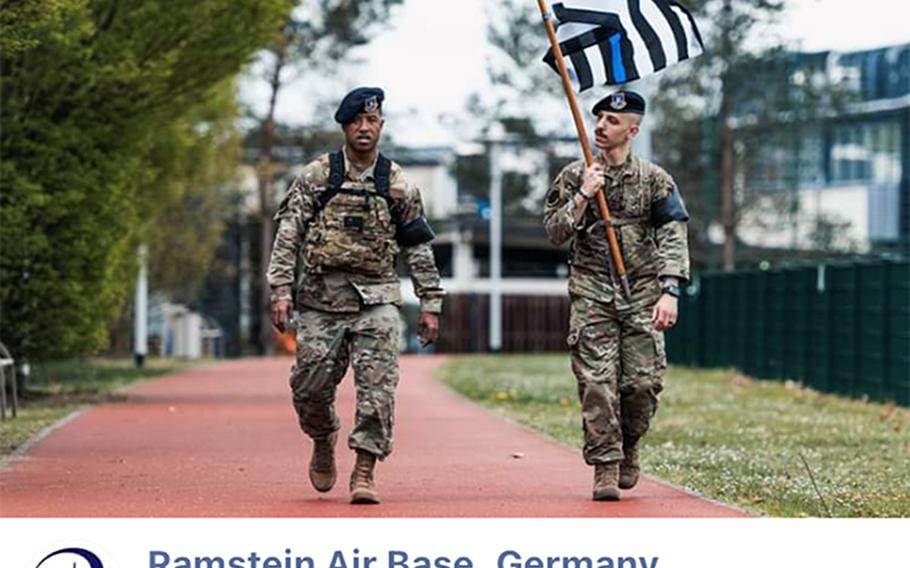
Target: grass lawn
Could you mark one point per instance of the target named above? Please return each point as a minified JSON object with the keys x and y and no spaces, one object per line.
{"x":57,"y":389}
{"x":729,"y":437}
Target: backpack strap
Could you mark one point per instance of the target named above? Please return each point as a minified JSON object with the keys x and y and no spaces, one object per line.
{"x":383,"y":176}
{"x":336,"y":169}
{"x":382,"y":173}
{"x":336,"y":179}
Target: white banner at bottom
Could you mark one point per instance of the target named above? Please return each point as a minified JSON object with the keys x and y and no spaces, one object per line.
{"x":453,"y":543}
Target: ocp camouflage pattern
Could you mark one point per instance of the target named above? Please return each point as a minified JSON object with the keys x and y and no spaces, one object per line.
{"x":326,"y":344}
{"x":341,"y":263}
{"x":617,"y":356}
{"x":630,"y":191}
{"x":342,"y":274}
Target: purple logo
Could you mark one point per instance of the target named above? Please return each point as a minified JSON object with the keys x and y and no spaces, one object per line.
{"x":71,"y":558}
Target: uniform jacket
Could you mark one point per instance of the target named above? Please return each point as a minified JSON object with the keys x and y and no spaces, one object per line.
{"x":649,"y":252}
{"x":340,"y":291}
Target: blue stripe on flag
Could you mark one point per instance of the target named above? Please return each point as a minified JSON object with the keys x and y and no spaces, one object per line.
{"x":619,"y":71}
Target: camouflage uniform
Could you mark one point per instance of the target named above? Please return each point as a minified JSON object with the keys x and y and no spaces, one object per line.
{"x":617,"y":356}
{"x":346,"y":313}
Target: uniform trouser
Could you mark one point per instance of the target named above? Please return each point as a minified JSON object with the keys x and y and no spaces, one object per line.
{"x":326,"y":343}
{"x":619,"y":363}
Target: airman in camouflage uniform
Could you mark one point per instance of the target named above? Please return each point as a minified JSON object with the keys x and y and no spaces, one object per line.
{"x":344,"y":221}
{"x":616,"y":342}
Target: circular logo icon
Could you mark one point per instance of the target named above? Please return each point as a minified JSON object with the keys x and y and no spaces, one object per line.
{"x":71,"y":558}
{"x":618,"y":101}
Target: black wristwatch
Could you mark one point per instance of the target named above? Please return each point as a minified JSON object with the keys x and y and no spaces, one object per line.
{"x":670,"y":289}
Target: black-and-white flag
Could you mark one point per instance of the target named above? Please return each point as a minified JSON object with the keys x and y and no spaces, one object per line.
{"x":613,"y":42}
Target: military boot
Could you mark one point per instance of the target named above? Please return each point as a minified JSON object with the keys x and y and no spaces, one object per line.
{"x":606,"y":477}
{"x":363,"y":488}
{"x":629,"y":468}
{"x":322,"y":463}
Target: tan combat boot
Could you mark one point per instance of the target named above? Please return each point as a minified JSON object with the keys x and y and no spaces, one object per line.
{"x":629,"y":468}
{"x":363,"y":488}
{"x":322,"y":463}
{"x":606,"y":477}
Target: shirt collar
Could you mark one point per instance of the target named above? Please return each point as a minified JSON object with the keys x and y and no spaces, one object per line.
{"x":353,"y":173}
{"x":627,"y":169}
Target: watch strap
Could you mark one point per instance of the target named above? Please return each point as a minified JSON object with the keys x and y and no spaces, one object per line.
{"x":671,"y":290}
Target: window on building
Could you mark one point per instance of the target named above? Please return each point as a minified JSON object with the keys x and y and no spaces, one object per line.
{"x":866,"y":152}
{"x":849,"y":153}
{"x":811,"y":165}
{"x":899,"y":71}
{"x":784,"y":159}
{"x":881,"y":73}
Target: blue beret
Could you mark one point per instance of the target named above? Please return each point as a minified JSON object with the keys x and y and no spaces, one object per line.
{"x":361,"y":99}
{"x":621,"y":101}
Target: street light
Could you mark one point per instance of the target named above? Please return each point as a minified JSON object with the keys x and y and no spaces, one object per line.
{"x":140,"y":335}
{"x":496,"y":137}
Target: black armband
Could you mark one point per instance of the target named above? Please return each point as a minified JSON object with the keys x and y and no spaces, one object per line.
{"x":670,"y":208}
{"x":414,"y":233}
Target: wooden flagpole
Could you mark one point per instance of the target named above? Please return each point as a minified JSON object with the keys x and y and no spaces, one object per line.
{"x":615,"y":252}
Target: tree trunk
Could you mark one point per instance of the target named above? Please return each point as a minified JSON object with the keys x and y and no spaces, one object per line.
{"x":266,"y":199}
{"x":265,"y":322}
{"x":728,"y":213}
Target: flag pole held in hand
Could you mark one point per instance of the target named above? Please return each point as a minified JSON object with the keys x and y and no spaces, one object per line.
{"x":615,"y":251}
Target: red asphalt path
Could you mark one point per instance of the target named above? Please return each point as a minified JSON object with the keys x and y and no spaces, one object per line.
{"x":223,"y":440}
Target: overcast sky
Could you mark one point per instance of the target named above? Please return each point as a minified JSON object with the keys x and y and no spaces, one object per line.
{"x":434,"y":56}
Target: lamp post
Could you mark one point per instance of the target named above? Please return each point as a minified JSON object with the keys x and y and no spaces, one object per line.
{"x":495,"y":139}
{"x":140,"y":330}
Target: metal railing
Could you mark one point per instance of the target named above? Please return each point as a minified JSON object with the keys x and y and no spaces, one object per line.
{"x":8,"y":367}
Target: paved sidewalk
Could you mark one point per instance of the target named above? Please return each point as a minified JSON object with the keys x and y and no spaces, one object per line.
{"x":222,"y":440}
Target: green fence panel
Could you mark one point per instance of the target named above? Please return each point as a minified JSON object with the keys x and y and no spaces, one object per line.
{"x":841,"y":328}
{"x":697,"y":339}
{"x":713,"y":314}
{"x":898,"y":344}
{"x":675,"y":341}
{"x":776,"y":327}
{"x":726,"y":317}
{"x":756,"y":318}
{"x":819,"y":355}
{"x":692,"y":325}
{"x":677,"y":338}
{"x":739,"y":314}
{"x":872,"y":330}
{"x":843,"y":290}
{"x":683,"y":339}
{"x":800,"y":290}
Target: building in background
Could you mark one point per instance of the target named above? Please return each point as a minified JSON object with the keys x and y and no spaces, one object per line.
{"x":455,"y":185}
{"x":176,"y":330}
{"x":841,"y":182}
